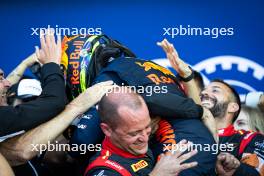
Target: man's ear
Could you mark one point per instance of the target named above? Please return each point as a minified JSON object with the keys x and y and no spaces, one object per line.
{"x":106,"y":129}
{"x":232,"y":107}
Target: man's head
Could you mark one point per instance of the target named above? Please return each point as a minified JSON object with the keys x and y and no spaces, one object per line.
{"x":222,"y":100}
{"x":125,"y":120}
{"x":4,"y":85}
{"x":198,"y":80}
{"x":24,"y":91}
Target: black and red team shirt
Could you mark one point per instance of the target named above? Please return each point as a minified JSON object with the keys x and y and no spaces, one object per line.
{"x":183,"y":113}
{"x":112,"y":161}
{"x":158,"y":86}
{"x":171,"y":132}
{"x":248,"y":147}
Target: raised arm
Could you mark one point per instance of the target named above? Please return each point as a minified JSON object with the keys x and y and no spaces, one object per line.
{"x":18,"y":72}
{"x":186,"y":74}
{"x":20,"y":149}
{"x":52,"y":99}
{"x":184,"y":71}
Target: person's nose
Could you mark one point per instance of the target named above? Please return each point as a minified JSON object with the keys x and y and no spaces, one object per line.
{"x":145,"y":135}
{"x":205,"y":92}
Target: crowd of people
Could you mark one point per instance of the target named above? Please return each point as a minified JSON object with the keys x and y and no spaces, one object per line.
{"x":88,"y":112}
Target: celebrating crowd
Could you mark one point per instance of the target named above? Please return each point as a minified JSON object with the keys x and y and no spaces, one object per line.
{"x":88,"y":111}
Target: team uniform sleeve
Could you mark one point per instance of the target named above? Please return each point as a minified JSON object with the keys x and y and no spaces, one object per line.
{"x":168,"y":105}
{"x":252,"y":160}
{"x":171,"y":105}
{"x":246,"y":170}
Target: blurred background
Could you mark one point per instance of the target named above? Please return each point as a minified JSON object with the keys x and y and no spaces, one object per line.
{"x":236,"y":58}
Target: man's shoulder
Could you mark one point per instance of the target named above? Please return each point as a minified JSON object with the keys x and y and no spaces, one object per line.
{"x":231,"y":131}
{"x":107,"y":162}
{"x":256,"y":141}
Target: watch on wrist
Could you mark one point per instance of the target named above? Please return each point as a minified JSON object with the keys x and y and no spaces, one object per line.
{"x":188,"y":78}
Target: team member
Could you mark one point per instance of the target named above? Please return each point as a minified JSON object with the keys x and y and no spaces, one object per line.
{"x":52,"y":100}
{"x":159,"y":88}
{"x":126,"y":125}
{"x":21,"y":149}
{"x":170,"y":131}
{"x":224,"y":103}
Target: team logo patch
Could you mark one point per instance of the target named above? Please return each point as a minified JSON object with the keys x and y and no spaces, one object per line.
{"x":114,"y":164}
{"x":149,"y":65}
{"x":139,"y":165}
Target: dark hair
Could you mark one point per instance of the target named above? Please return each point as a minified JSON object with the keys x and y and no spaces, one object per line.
{"x":198,"y":77}
{"x":234,"y":94}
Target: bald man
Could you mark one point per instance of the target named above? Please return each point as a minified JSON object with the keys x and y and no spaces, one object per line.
{"x":125,"y":121}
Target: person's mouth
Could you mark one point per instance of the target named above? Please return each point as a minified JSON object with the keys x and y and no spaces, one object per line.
{"x":208,"y":101}
{"x":140,"y":145}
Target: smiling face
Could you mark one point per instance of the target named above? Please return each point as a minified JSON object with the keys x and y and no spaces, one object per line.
{"x":125,"y":120}
{"x":132,"y":132}
{"x":131,"y":129}
{"x":216,"y":97}
{"x":222,"y":100}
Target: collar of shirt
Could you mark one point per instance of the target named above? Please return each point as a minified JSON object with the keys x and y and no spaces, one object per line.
{"x":108,"y":145}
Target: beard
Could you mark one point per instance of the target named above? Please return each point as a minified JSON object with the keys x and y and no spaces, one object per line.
{"x":219,"y":109}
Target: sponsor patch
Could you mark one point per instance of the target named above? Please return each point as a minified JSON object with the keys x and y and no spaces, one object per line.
{"x":139,"y":165}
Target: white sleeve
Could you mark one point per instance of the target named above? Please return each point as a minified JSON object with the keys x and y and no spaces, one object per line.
{"x":252,"y":99}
